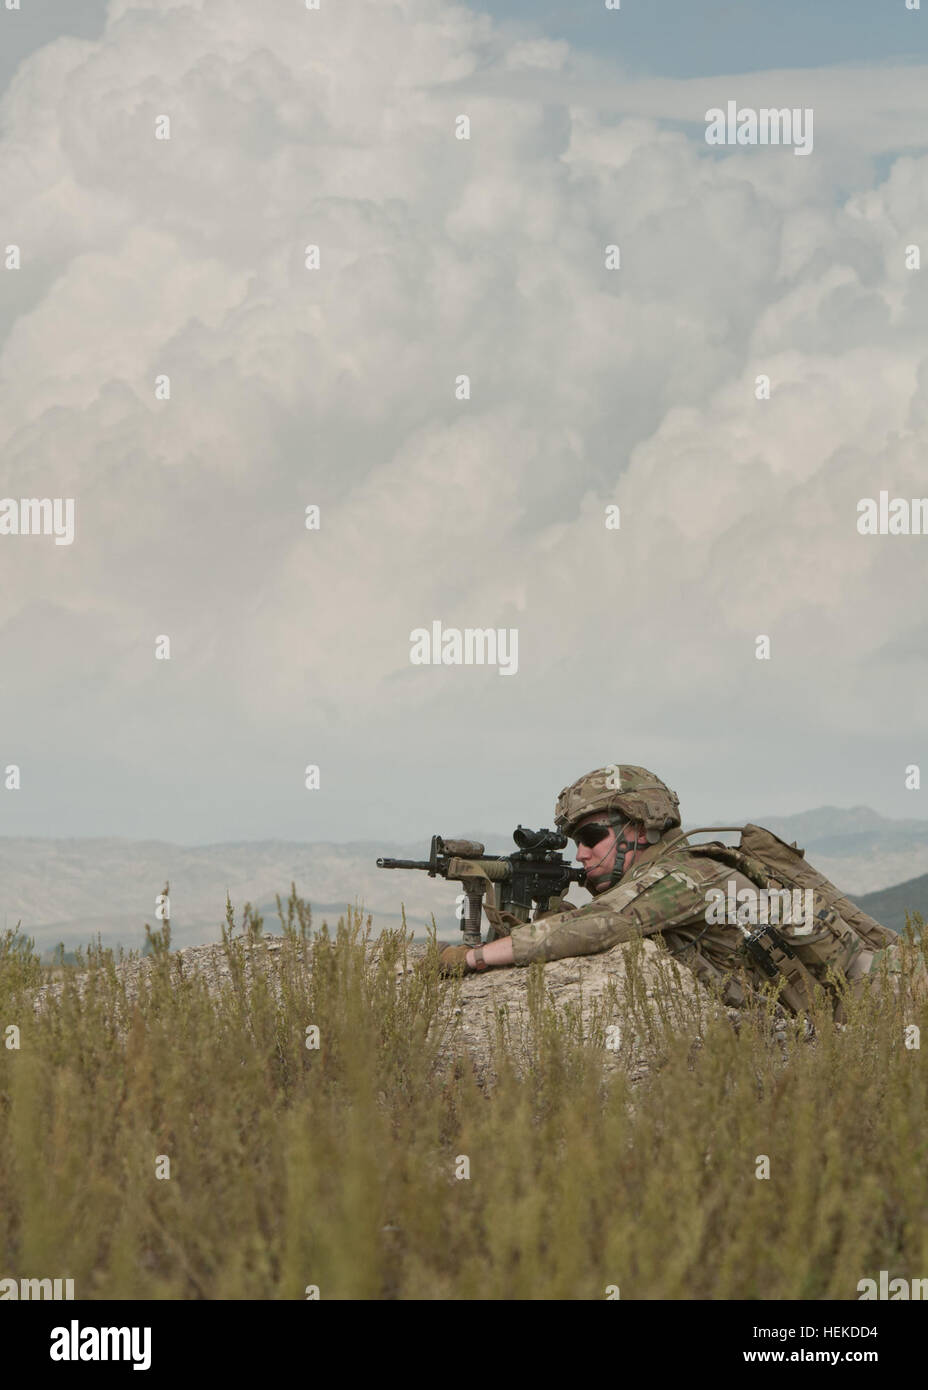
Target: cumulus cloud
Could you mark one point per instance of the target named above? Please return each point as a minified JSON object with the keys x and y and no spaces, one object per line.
{"x":442,"y":257}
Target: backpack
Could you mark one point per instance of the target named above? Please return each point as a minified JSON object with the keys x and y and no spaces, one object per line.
{"x":839,"y":933}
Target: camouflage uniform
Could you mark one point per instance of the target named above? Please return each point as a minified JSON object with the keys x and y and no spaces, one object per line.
{"x":665,"y":892}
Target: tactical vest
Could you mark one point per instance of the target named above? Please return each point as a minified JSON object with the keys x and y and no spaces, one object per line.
{"x":841,"y":933}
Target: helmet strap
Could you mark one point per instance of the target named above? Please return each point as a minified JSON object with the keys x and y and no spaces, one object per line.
{"x":622,"y":846}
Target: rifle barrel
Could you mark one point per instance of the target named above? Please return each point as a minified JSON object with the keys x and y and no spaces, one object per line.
{"x":403,"y":864}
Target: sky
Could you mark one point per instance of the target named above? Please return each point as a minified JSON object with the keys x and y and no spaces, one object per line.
{"x":592,"y":386}
{"x":668,"y":38}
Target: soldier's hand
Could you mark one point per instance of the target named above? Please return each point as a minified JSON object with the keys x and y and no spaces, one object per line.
{"x":505,"y":921}
{"x":452,"y":960}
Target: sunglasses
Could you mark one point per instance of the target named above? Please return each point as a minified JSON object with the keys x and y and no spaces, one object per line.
{"x":590,"y":835}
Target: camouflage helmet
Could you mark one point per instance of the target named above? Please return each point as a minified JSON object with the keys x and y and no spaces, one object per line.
{"x":620,"y":789}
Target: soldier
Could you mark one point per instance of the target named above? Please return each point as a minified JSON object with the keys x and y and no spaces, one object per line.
{"x":648,"y":880}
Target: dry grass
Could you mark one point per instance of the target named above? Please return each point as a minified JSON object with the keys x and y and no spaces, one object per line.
{"x":335,"y":1166}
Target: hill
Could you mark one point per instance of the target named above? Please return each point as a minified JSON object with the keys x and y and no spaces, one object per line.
{"x":890,"y":905}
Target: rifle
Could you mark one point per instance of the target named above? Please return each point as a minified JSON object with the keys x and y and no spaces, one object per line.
{"x":535,"y":873}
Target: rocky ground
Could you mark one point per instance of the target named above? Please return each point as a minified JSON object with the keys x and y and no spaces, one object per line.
{"x":612,"y":1000}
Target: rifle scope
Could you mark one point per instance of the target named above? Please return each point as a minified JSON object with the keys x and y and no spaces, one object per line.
{"x":538,"y":840}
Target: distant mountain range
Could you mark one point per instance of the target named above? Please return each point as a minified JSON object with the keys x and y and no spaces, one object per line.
{"x":72,"y":890}
{"x":882,"y":864}
{"x":890,"y":905}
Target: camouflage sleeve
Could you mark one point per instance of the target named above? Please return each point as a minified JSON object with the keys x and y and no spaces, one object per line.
{"x":658,"y":898}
